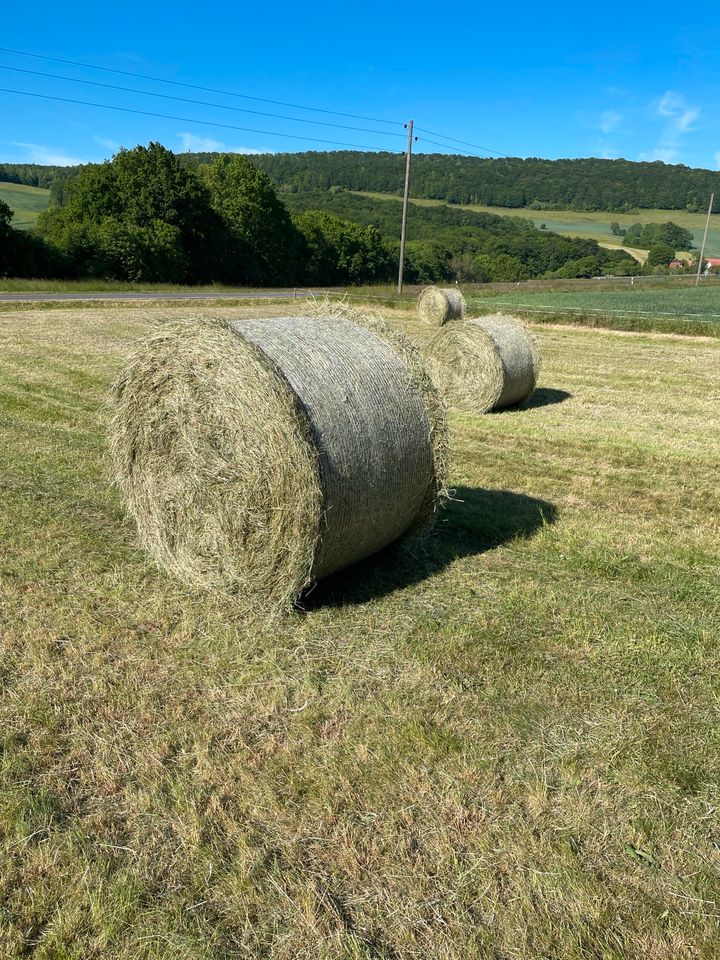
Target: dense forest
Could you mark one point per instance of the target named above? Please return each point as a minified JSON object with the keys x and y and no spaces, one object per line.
{"x":586,"y":184}
{"x":150,"y":215}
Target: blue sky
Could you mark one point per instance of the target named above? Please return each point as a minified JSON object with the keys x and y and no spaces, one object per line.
{"x":544,"y":80}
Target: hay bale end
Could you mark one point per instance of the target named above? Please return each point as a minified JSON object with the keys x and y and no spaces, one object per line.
{"x":484,"y":364}
{"x":436,"y":305}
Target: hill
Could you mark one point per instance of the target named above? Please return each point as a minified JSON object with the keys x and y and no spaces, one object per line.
{"x":583,"y":184}
{"x":589,"y":224}
{"x":587,"y":184}
{"x":27,"y":203}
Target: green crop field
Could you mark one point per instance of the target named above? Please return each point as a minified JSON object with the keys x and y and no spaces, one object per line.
{"x":670,"y":304}
{"x":27,"y":203}
{"x":503,"y":744}
{"x":596,"y":225}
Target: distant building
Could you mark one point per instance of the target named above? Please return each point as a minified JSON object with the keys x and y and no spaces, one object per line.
{"x":712,"y":263}
{"x":678,"y":264}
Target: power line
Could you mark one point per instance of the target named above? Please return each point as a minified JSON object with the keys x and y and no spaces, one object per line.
{"x":201,"y":103}
{"x":448,"y":146}
{"x":193,"y":86}
{"x":205,"y":123}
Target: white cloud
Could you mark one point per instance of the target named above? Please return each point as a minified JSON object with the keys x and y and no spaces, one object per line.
{"x":107,"y":143}
{"x":686,"y":118}
{"x":249,"y":151}
{"x":679,"y":113}
{"x":668,"y":154}
{"x":38,"y":153}
{"x":679,"y":117}
{"x":670,"y":104}
{"x":609,"y":119}
{"x":192,"y":142}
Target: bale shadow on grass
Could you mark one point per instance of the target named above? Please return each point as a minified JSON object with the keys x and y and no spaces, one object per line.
{"x":474,"y":521}
{"x":543,"y":397}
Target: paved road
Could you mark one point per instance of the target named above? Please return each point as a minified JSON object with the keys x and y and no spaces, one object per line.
{"x":240,"y":295}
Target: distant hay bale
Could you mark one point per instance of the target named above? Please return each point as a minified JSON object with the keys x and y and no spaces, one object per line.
{"x":437,"y":306}
{"x":484,"y":364}
{"x":258,"y":456}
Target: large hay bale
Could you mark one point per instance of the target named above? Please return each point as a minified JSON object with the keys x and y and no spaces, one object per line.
{"x":484,"y":364}
{"x":258,"y":456}
{"x":437,"y":306}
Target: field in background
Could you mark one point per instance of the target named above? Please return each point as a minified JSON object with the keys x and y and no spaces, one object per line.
{"x":504,"y":745}
{"x":27,"y":203}
{"x":594,"y":225}
{"x":678,"y":306}
{"x":663,"y":304}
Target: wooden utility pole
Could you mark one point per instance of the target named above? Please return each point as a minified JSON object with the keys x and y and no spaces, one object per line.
{"x":702,"y":250}
{"x":405,"y":205}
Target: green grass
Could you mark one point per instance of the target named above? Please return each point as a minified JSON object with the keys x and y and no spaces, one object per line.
{"x":595,"y":225}
{"x":669,"y":306}
{"x":29,"y":285}
{"x":664,"y":304}
{"x":27,"y":203}
{"x":504,"y":746}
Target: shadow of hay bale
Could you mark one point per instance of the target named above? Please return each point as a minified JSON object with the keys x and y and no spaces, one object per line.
{"x":475,"y":520}
{"x":543,"y":397}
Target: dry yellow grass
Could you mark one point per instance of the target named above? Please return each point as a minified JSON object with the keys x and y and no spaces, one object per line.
{"x":503,"y":746}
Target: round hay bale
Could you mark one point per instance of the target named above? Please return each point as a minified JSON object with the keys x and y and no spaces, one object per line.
{"x":484,"y":364}
{"x":437,"y":306}
{"x":258,"y":456}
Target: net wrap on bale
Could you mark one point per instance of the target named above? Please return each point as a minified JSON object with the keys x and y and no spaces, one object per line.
{"x":484,"y":364}
{"x":437,"y":305}
{"x":258,"y":456}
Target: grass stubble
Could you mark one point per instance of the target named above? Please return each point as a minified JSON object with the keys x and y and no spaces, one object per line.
{"x":503,"y":746}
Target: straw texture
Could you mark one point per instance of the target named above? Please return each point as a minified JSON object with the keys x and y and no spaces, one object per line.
{"x":258,"y":456}
{"x":437,"y":306}
{"x":484,"y":364}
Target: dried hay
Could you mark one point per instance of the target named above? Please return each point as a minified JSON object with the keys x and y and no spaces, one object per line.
{"x":258,"y":456}
{"x":484,"y":364}
{"x":436,"y":306}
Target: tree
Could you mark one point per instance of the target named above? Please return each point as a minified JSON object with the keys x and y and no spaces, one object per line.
{"x":615,"y":228}
{"x":675,"y":236}
{"x":426,"y":262}
{"x":660,"y":255}
{"x":337,"y":251}
{"x":261,"y":244}
{"x":141,"y":215}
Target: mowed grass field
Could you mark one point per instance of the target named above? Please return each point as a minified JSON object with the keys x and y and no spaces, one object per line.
{"x":27,"y":203}
{"x":502,"y":745}
{"x":595,"y":225}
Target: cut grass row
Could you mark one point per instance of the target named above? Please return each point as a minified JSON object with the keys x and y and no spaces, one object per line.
{"x":503,"y":746}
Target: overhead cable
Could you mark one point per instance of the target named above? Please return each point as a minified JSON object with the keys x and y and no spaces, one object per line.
{"x":205,"y":123}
